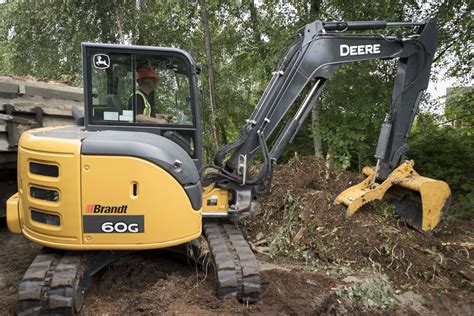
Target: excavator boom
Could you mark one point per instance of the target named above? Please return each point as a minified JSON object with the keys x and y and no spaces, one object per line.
{"x":318,"y":50}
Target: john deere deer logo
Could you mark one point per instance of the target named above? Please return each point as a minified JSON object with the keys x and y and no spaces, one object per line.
{"x":101,"y":61}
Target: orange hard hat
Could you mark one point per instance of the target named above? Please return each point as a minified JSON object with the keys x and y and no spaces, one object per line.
{"x":145,"y":72}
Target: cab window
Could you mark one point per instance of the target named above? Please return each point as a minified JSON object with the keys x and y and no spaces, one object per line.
{"x":141,"y":90}
{"x":136,"y":89}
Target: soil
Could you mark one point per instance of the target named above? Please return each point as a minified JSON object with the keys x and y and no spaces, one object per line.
{"x":312,"y":260}
{"x":155,"y":281}
{"x":298,"y":219}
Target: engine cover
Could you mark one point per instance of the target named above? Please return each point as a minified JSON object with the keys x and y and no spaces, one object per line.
{"x":71,"y":198}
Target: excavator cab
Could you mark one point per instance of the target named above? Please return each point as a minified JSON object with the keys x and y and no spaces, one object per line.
{"x":116,"y":93}
{"x":66,"y":174}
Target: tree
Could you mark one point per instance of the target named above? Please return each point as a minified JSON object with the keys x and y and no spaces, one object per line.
{"x":210,"y":69}
{"x":459,"y":109}
{"x":248,"y":40}
{"x":44,"y":40}
{"x":315,"y":11}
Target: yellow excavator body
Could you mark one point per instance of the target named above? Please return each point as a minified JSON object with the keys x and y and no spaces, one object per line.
{"x":215,"y":201}
{"x":429,"y":198}
{"x":69,"y":210}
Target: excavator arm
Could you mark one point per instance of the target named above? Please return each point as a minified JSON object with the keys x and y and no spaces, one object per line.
{"x":318,"y":50}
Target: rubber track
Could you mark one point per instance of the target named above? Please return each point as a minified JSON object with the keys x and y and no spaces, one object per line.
{"x":236,"y":268}
{"x":34,"y":287}
{"x":47,"y":286}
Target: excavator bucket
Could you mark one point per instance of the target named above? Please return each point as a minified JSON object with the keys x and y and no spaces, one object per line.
{"x":419,"y":200}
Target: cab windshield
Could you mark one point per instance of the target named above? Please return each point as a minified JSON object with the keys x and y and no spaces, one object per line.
{"x":139,"y":89}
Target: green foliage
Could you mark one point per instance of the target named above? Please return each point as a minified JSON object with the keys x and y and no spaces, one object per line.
{"x":459,"y":110}
{"x":446,"y":153}
{"x":384,"y":209}
{"x":465,"y":206}
{"x":358,"y":106}
{"x":43,"y":40}
{"x":282,"y":240}
{"x":373,"y":292}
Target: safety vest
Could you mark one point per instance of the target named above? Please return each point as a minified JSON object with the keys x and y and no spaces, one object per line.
{"x":147,"y":110}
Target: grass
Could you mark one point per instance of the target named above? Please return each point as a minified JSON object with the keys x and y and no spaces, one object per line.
{"x":372,"y":292}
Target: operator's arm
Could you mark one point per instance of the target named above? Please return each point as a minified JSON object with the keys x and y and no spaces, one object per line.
{"x":160,"y":119}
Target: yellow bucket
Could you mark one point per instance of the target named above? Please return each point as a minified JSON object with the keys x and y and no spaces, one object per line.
{"x":418,"y":199}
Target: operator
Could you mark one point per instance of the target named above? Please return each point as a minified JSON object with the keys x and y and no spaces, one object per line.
{"x":147,"y":80}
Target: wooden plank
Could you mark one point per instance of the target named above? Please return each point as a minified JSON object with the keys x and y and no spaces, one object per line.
{"x":47,"y":91}
{"x":8,"y":87}
{"x":48,"y":109}
{"x":14,"y":119}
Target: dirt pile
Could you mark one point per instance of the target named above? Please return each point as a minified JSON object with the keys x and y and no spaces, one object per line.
{"x":299,"y":220}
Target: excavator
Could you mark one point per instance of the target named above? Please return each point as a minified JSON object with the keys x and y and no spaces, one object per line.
{"x":112,"y":184}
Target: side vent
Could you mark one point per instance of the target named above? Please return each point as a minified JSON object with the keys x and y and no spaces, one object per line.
{"x":44,"y":194}
{"x":44,"y":169}
{"x":45,"y":218}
